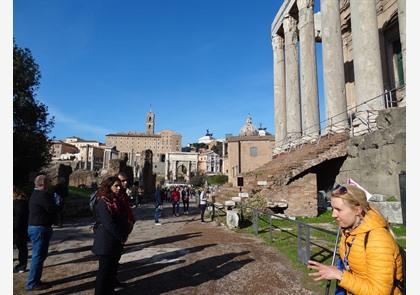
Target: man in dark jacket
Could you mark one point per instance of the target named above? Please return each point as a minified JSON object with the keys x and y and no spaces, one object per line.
{"x":61,"y":192}
{"x":42,"y":212}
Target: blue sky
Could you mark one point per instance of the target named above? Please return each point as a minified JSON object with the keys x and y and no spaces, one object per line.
{"x":199,"y":64}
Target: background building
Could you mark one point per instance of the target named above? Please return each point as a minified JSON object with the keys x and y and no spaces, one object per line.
{"x":248,"y":151}
{"x":135,"y":145}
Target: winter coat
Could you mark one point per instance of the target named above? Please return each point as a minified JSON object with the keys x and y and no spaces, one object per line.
{"x":175,"y":196}
{"x":372,"y":270}
{"x":42,"y":209}
{"x":158,"y":198}
{"x":110,"y":231}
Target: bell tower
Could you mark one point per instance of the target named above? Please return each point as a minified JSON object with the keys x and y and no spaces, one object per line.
{"x":150,"y":123}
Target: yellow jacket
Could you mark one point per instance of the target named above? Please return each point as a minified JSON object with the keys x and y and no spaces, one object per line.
{"x":372,"y":270}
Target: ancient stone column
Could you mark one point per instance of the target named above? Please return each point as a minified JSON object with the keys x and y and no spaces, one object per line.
{"x":308,"y":75}
{"x":279,"y":91}
{"x":401,"y":24}
{"x":87,"y":157}
{"x":293,"y":115}
{"x":92,"y":159}
{"x":333,"y":65}
{"x":189,"y":171}
{"x":167,"y":168}
{"x":366,"y":54}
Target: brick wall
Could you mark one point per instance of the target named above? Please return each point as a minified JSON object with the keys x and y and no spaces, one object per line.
{"x":301,"y":196}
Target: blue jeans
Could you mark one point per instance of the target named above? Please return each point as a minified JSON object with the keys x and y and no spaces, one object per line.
{"x":40,"y":237}
{"x":157,"y":214}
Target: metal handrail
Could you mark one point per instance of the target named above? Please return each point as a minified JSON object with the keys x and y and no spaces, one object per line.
{"x":290,"y":142}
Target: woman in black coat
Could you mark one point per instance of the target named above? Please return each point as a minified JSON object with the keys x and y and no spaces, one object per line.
{"x":110,"y":233}
{"x":20,"y":228}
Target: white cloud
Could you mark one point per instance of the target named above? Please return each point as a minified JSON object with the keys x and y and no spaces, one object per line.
{"x":77,"y":125}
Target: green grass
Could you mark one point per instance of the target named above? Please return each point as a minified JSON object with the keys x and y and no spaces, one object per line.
{"x":325,"y":217}
{"x":284,"y":239}
{"x":79,"y":192}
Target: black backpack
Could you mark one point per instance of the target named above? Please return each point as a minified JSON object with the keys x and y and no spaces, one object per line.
{"x":400,"y":284}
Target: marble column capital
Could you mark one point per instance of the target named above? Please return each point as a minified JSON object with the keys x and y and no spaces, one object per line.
{"x":305,"y":4}
{"x":289,"y":24}
{"x":277,"y":42}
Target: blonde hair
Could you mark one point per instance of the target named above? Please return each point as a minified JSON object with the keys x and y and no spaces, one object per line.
{"x":357,"y":197}
{"x":353,"y":195}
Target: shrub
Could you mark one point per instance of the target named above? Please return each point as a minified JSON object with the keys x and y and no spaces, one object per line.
{"x":217,"y":179}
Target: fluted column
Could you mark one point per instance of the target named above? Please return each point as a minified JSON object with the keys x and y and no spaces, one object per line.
{"x":279,"y":91}
{"x":366,"y":54}
{"x":308,"y":75}
{"x":293,"y":115}
{"x":333,"y":65}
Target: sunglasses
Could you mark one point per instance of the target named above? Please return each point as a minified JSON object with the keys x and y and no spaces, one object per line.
{"x":340,"y":190}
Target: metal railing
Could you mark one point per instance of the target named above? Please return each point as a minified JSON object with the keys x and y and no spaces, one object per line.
{"x":303,"y":230}
{"x":357,"y":120}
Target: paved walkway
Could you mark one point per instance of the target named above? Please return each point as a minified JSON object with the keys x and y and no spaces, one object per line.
{"x":182,"y":256}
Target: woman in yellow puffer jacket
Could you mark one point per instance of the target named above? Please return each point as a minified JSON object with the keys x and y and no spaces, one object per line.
{"x":371,"y":257}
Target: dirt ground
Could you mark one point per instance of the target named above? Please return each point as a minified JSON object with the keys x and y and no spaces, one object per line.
{"x":181,"y":256}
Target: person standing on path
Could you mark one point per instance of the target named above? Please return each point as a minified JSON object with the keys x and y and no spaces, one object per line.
{"x":175,"y":196}
{"x":42,"y":212}
{"x":203,"y":202}
{"x":61,"y":192}
{"x":110,"y":234}
{"x":185,"y":200}
{"x":126,"y":211}
{"x":158,"y":204}
{"x":20,"y":228}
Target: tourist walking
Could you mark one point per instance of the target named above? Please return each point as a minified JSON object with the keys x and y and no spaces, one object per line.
{"x":158,"y":204}
{"x":42,"y":212}
{"x":185,"y":193}
{"x":134,"y":194}
{"x":175,"y":197}
{"x":110,"y":233}
{"x":368,"y":251}
{"x":20,"y":228}
{"x":61,"y":192}
{"x":203,"y":202}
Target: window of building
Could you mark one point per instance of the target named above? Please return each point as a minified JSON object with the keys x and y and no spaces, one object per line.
{"x":253,"y":151}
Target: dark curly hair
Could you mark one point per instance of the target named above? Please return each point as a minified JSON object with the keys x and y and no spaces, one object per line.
{"x":104,"y":190}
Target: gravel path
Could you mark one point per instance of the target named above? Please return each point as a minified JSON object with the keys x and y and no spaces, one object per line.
{"x":181,"y":256}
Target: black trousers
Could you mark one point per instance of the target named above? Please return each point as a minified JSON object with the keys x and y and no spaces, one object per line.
{"x":202,"y":209}
{"x":21,"y":242}
{"x":107,"y":274}
{"x":186,"y":204}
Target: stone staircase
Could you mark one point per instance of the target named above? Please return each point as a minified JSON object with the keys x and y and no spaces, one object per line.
{"x":288,"y":165}
{"x":291,"y":177}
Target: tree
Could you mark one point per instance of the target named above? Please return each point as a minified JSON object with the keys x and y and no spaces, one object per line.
{"x":218,"y":148}
{"x":197,"y":180}
{"x":31,"y":125}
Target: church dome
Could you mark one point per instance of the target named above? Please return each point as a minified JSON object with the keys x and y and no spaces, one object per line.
{"x":248,"y":129}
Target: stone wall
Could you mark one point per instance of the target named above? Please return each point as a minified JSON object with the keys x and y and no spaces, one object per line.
{"x":375,"y":160}
{"x":84,"y":178}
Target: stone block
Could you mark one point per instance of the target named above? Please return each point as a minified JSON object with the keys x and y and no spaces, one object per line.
{"x":390,"y":210}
